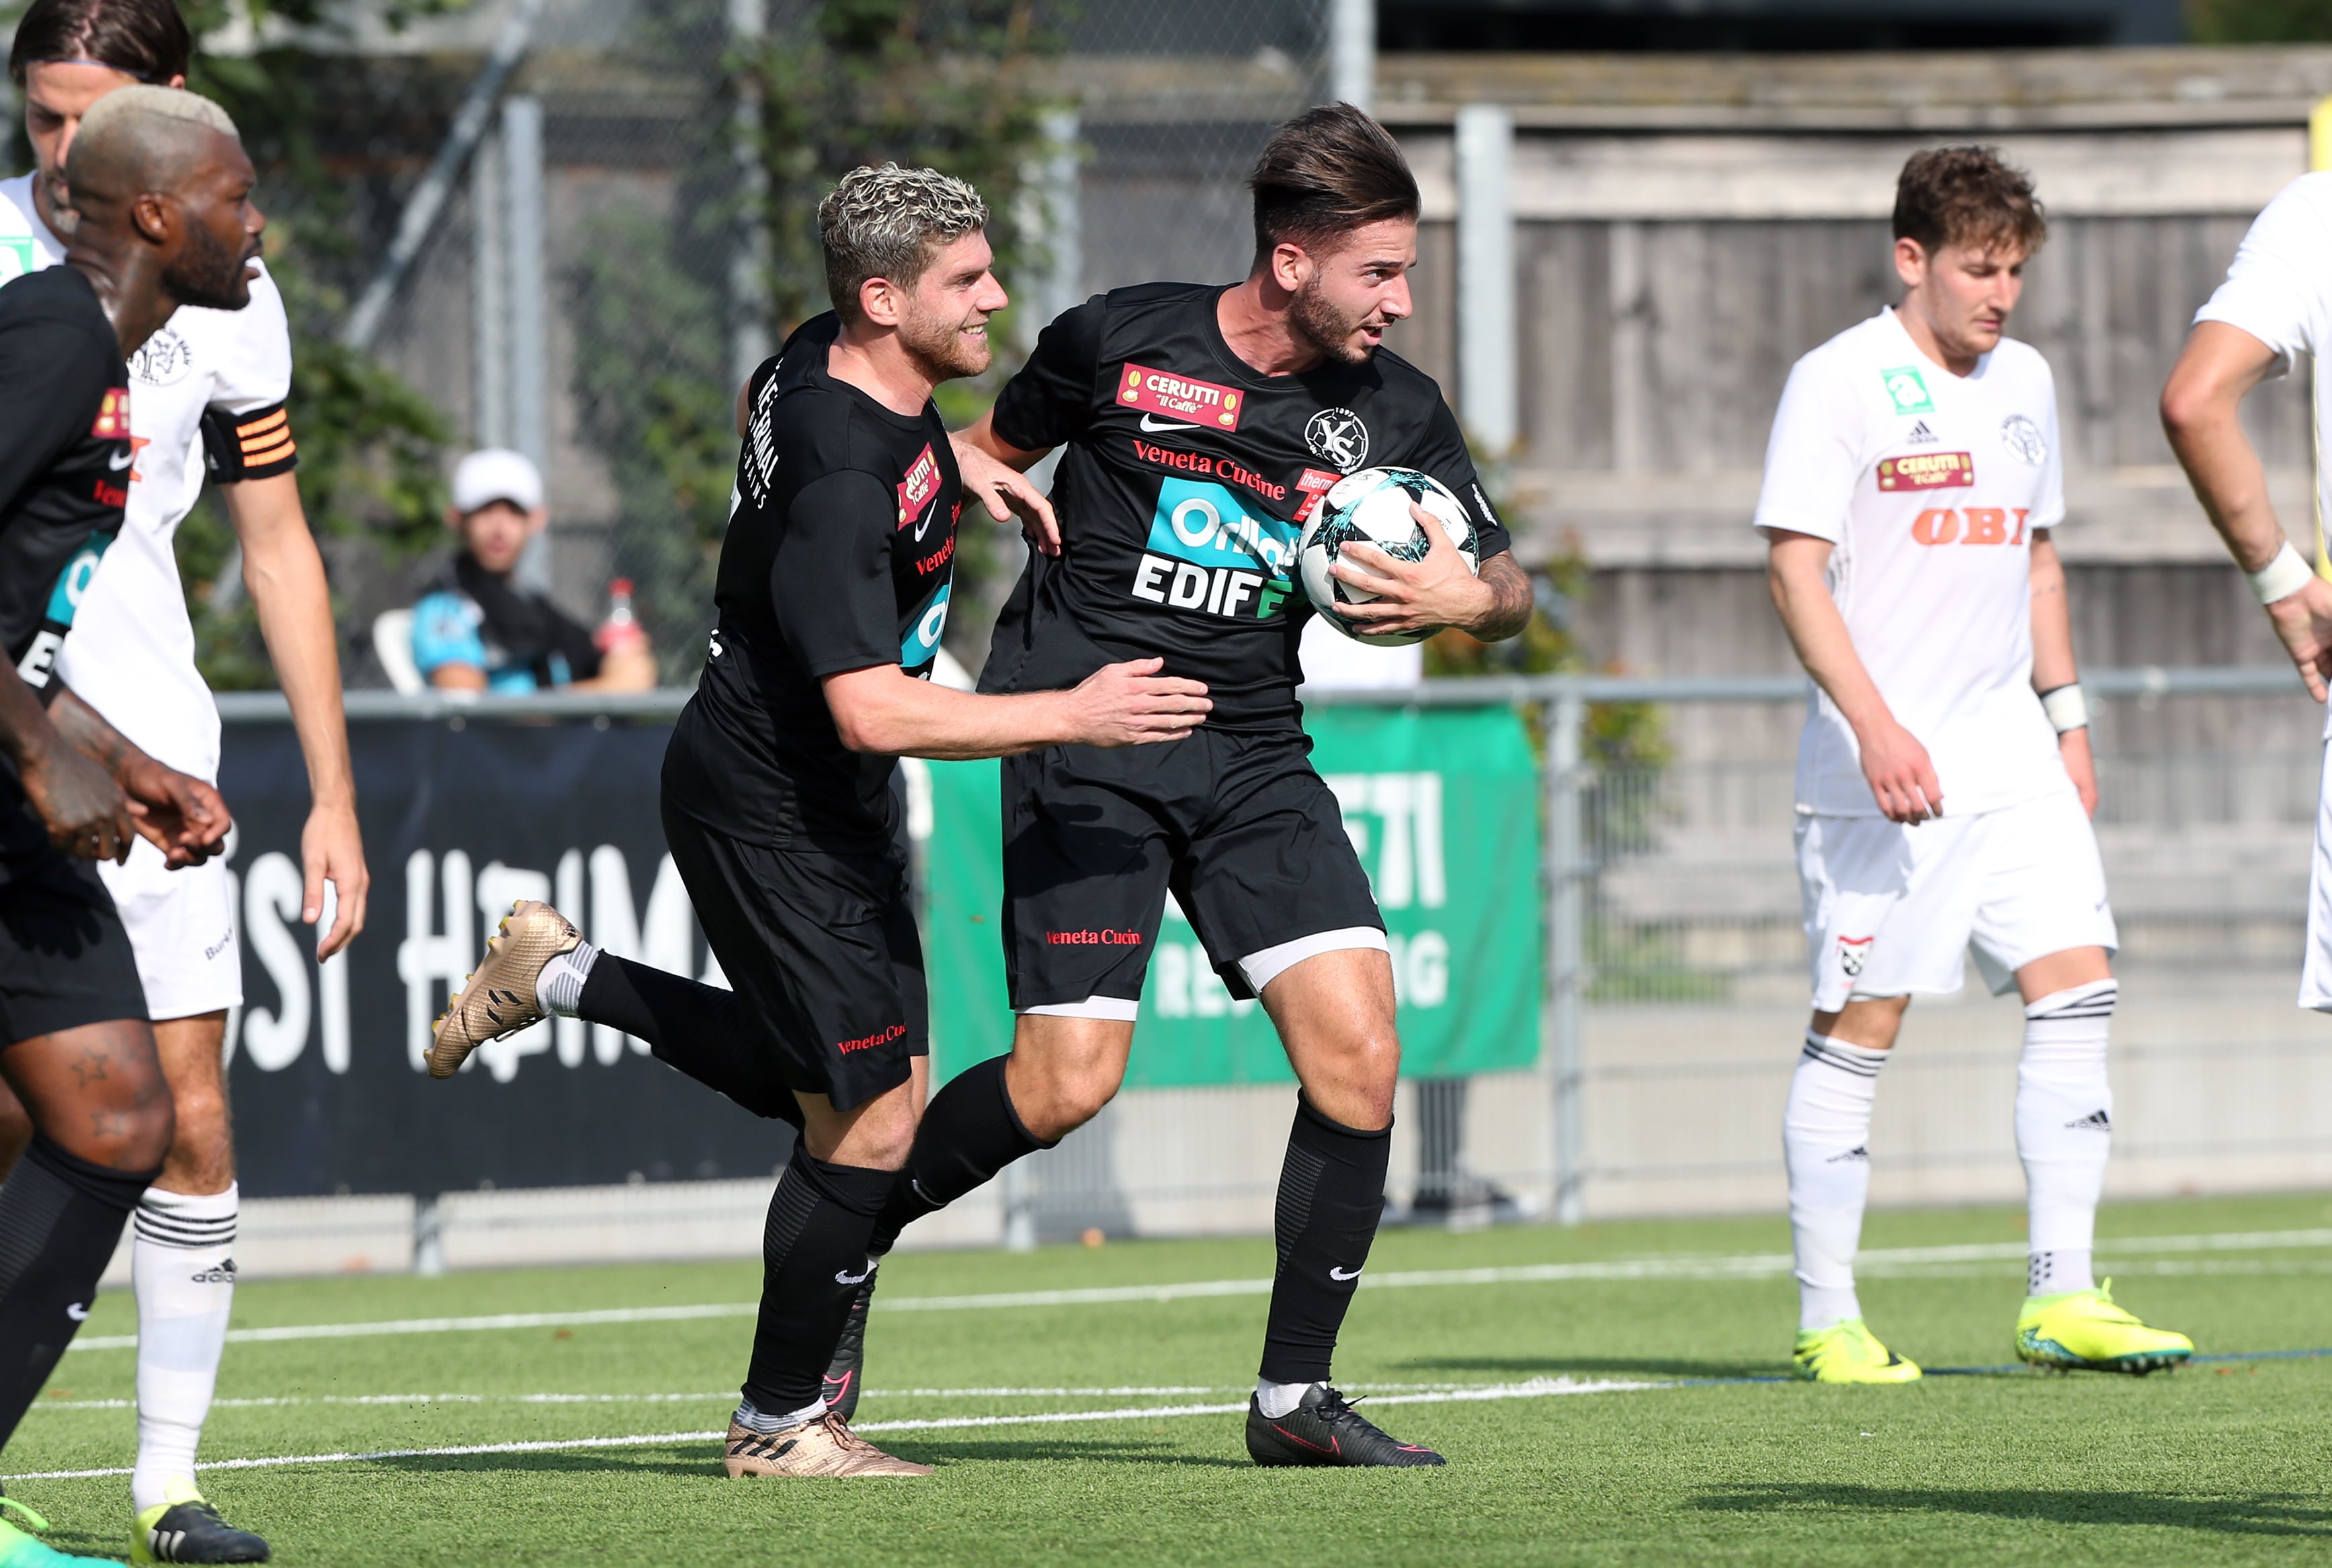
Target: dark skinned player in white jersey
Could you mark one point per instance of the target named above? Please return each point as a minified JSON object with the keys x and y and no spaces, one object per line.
{"x":161,"y":191}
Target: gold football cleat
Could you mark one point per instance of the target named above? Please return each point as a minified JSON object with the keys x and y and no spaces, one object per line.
{"x":499,"y":998}
{"x":825,"y":1447}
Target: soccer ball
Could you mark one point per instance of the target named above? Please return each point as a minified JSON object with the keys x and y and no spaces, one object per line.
{"x":1372,"y":507}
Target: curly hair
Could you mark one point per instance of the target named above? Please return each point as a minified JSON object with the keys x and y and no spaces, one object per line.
{"x":1968,"y":196}
{"x":889,"y":221}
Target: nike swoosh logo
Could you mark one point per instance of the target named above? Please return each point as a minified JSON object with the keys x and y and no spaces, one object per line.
{"x":1154,"y":424}
{"x":120,"y":461}
{"x":78,"y":1313}
{"x":859,"y":1279}
{"x":1340,"y":1274}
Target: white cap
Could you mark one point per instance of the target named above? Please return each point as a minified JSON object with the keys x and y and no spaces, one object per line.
{"x":497,"y":473}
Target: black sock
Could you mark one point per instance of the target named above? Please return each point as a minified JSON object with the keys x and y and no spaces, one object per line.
{"x":970,"y":1131}
{"x":60,"y":1218}
{"x":698,"y":1028}
{"x":813,"y":1257}
{"x":1331,"y":1197}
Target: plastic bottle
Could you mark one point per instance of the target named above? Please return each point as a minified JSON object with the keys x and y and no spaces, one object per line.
{"x":621,"y":629}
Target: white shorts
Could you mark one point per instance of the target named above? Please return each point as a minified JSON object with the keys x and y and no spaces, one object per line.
{"x":182,"y":929}
{"x":2315,"y":969}
{"x":1891,"y":909}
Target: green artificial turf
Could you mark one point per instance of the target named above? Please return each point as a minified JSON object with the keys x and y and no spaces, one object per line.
{"x":2223,"y":1463}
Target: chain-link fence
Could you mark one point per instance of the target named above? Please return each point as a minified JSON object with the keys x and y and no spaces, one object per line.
{"x":621,"y":227}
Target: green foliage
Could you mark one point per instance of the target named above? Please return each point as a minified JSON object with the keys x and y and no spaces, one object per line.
{"x":2259,"y":21}
{"x":652,"y":389}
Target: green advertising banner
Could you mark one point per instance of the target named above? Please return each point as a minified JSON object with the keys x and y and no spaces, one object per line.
{"x":1442,"y":806}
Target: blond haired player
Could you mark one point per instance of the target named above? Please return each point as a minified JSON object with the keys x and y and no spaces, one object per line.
{"x":1911,"y":481}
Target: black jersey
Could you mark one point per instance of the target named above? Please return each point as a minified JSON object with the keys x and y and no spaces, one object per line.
{"x":839,"y":556}
{"x":64,"y":479}
{"x":1187,"y":480}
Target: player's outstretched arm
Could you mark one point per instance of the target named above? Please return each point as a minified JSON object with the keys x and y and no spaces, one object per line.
{"x":285,"y":577}
{"x":2053,"y":665}
{"x":78,"y":801}
{"x":1437,"y":592}
{"x":2201,"y":405}
{"x":994,"y":472}
{"x":180,"y":815}
{"x":1901,"y":776}
{"x":883,"y":710}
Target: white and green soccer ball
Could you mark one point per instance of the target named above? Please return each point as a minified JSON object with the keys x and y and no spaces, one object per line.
{"x":1372,"y":507}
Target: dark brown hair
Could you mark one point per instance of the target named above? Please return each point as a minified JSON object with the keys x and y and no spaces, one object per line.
{"x":1326,"y":172}
{"x":147,"y":39}
{"x":1967,"y":195}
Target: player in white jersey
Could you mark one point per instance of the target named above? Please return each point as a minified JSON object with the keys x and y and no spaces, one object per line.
{"x":208,"y":392}
{"x":2275,"y":305}
{"x":1911,"y":481}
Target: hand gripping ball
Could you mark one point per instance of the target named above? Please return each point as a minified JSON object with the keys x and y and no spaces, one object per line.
{"x":1372,"y":507}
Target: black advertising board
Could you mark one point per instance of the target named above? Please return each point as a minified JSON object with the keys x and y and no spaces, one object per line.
{"x":324,"y":1062}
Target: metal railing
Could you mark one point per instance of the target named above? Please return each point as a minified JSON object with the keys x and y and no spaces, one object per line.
{"x":1602,"y":824}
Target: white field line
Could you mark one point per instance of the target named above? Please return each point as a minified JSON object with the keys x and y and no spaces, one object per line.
{"x":1536,"y":1388}
{"x":1681,"y":1267}
{"x":1121,"y":1390}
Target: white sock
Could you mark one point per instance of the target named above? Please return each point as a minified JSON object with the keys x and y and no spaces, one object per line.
{"x":2064,"y":1130}
{"x":1277,"y":1400}
{"x":1826,"y":1138}
{"x":752,"y":1417}
{"x":182,"y":1262}
{"x":559,"y":988}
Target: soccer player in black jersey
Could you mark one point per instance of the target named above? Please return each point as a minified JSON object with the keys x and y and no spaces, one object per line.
{"x":162,"y":192}
{"x":833,"y":592}
{"x":1200,"y":427}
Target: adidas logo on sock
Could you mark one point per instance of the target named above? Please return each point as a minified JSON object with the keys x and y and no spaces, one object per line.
{"x":1921,"y":435}
{"x":2095,"y":1122}
{"x":1859,"y":1152}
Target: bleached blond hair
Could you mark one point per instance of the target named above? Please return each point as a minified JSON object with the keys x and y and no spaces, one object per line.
{"x":888,"y":222}
{"x":139,"y":136}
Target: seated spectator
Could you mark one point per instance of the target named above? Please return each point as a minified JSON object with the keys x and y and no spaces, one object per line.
{"x":476,"y":631}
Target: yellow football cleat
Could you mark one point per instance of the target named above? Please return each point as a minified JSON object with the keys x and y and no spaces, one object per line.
{"x":2083,"y":1330}
{"x":1848,"y":1353}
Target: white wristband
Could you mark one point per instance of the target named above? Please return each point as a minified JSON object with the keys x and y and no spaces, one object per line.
{"x":2281,"y":577}
{"x":2066,"y":707}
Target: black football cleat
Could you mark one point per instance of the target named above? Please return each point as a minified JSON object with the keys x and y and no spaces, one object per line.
{"x":844,"y":1373}
{"x":1326,"y":1429}
{"x":186,"y":1529}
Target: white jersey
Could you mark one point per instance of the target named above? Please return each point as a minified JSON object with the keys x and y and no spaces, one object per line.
{"x":131,"y":656}
{"x":1932,"y":486}
{"x":2280,"y":291}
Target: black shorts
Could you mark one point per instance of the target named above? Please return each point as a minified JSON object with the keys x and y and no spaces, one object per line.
{"x":1239,"y":827}
{"x":64,"y":956}
{"x":822,"y":950}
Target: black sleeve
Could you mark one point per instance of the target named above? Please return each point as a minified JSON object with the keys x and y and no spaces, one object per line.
{"x":52,"y":380}
{"x":1442,"y":452}
{"x":1050,"y":401}
{"x":254,"y":445}
{"x":581,"y":653}
{"x":830,"y":579}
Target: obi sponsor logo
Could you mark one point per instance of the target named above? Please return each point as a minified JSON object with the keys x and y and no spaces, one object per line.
{"x":1970,"y":525}
{"x":1205,"y":405}
{"x":916,"y":489}
{"x":1926,"y":471}
{"x":1908,"y":390}
{"x":1200,"y":462}
{"x":112,"y":421}
{"x":868,"y":1042}
{"x":1207,"y":552}
{"x":920,"y":645}
{"x":1853,"y":952}
{"x":1101,"y":938}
